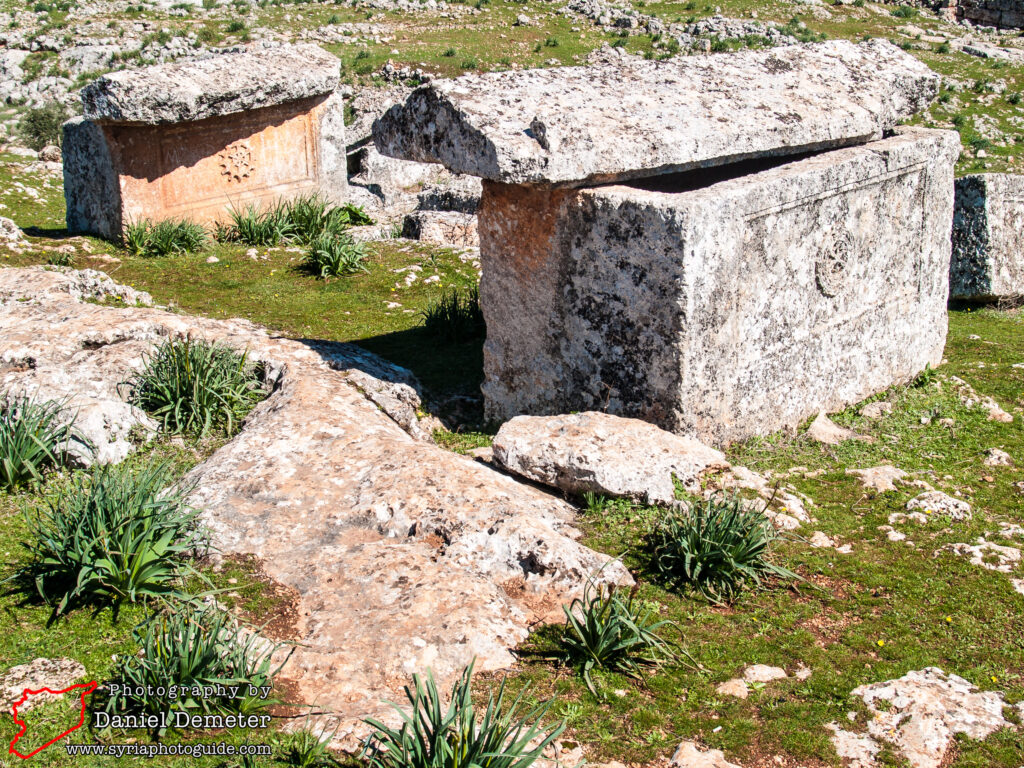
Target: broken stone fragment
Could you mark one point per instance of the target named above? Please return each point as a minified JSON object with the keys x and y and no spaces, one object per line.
{"x":997,"y":458}
{"x":920,"y":714}
{"x":211,"y":87}
{"x":762,"y":673}
{"x":689,"y":755}
{"x":876,"y":410}
{"x":737,"y":687}
{"x":634,"y":118}
{"x":604,"y":454}
{"x":880,"y":479}
{"x":824,"y":430}
{"x":939,"y":503}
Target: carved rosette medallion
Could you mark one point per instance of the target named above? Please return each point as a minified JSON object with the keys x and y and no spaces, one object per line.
{"x":833,"y":266}
{"x":236,"y":161}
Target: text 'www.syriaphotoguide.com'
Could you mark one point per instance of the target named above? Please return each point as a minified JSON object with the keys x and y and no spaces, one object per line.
{"x":174,"y":750}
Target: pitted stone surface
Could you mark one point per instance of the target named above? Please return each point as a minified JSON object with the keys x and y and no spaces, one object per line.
{"x":919,"y":715}
{"x":397,"y":555}
{"x":720,"y":304}
{"x":55,"y":674}
{"x":604,"y":454}
{"x":988,"y":237}
{"x":635,"y":118}
{"x":211,"y":87}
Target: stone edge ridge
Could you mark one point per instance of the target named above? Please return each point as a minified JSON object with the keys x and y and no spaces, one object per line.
{"x":222,"y":84}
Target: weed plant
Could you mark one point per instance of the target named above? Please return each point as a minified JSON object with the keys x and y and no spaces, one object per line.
{"x":114,"y":535}
{"x":187,"y":646}
{"x":717,"y":547}
{"x":605,"y":630}
{"x":455,"y":317}
{"x":33,"y":437}
{"x":437,"y":736}
{"x":194,"y":386}
{"x":163,"y":238}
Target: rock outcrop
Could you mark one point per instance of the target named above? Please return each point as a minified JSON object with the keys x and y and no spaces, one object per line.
{"x":398,"y":556}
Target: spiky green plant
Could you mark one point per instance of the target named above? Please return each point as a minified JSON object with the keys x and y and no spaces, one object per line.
{"x":717,"y":547}
{"x":308,"y":748}
{"x":434,"y":735}
{"x":455,"y":317}
{"x":605,"y":630}
{"x":194,"y":386}
{"x":33,"y":437}
{"x":163,"y":238}
{"x":333,"y":255}
{"x":186,"y":646}
{"x":114,"y":535}
{"x":261,"y":227}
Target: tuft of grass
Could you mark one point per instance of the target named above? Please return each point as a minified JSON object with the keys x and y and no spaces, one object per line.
{"x":307,"y":748}
{"x":334,"y":254}
{"x":115,"y":535}
{"x":312,"y":216}
{"x":194,"y":386}
{"x":33,"y":437}
{"x":187,"y":646}
{"x":260,"y":227}
{"x":455,"y":317}
{"x":163,"y":238}
{"x":439,"y":736}
{"x":604,"y":630}
{"x":717,"y":547}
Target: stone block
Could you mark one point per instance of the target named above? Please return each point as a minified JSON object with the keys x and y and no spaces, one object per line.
{"x":721,"y":303}
{"x":988,"y":238}
{"x":634,"y":118}
{"x":442,"y":228}
{"x":194,"y":140}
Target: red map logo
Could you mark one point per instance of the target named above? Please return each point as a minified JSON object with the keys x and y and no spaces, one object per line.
{"x":86,"y":689}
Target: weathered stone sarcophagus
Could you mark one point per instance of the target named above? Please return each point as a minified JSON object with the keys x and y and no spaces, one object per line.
{"x":720,"y":245}
{"x":988,"y":238}
{"x":194,"y":139}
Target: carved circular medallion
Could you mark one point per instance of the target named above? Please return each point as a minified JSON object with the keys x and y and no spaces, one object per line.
{"x":832,"y":267}
{"x":236,"y":161}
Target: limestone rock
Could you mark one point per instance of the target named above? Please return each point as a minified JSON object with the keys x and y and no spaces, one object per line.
{"x":876,"y":410}
{"x":737,"y":687}
{"x":211,"y":87}
{"x":761,"y":673}
{"x":939,"y":503}
{"x":997,"y":458}
{"x":461,"y":194}
{"x":55,"y":674}
{"x":824,"y":430}
{"x":398,"y":556}
{"x":880,"y":479}
{"x":689,"y":755}
{"x":50,"y":154}
{"x":10,"y":232}
{"x":605,"y":454}
{"x":923,"y":711}
{"x":779,"y":302}
{"x":985,"y":554}
{"x":988,"y":237}
{"x":442,"y":228}
{"x":636,"y":118}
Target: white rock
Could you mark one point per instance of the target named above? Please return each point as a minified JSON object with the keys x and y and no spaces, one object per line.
{"x":939,"y":503}
{"x":881,"y":479}
{"x":736,"y":687}
{"x":689,"y":755}
{"x":876,"y":410}
{"x":997,"y":458}
{"x":824,"y":430}
{"x":604,"y":454}
{"x":55,"y":674}
{"x":760,"y":673}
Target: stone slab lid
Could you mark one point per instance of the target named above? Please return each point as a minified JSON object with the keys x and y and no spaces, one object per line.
{"x":220,"y":85}
{"x":639,"y":118}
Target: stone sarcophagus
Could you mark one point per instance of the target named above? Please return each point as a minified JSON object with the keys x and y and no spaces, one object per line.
{"x":721,"y":245}
{"x":988,"y":238}
{"x":196,"y":139}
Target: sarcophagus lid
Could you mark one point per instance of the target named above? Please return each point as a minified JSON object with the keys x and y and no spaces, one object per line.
{"x":612,"y":122}
{"x":213,"y":87}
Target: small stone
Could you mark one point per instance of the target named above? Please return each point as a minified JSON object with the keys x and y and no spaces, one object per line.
{"x":50,"y":154}
{"x":55,"y":674}
{"x":820,"y":541}
{"x":212,"y":260}
{"x":824,"y":430}
{"x":735,"y":687}
{"x":939,"y":503}
{"x":802,"y":672}
{"x":876,"y":410}
{"x":761,"y":673}
{"x":689,"y":755}
{"x":881,"y":479}
{"x":997,"y":458}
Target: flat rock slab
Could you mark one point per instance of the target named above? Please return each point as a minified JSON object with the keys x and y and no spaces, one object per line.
{"x":212,"y":87}
{"x":605,"y":454}
{"x":919,"y":715}
{"x":398,"y":556}
{"x":636,"y":118}
{"x":55,"y":674}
